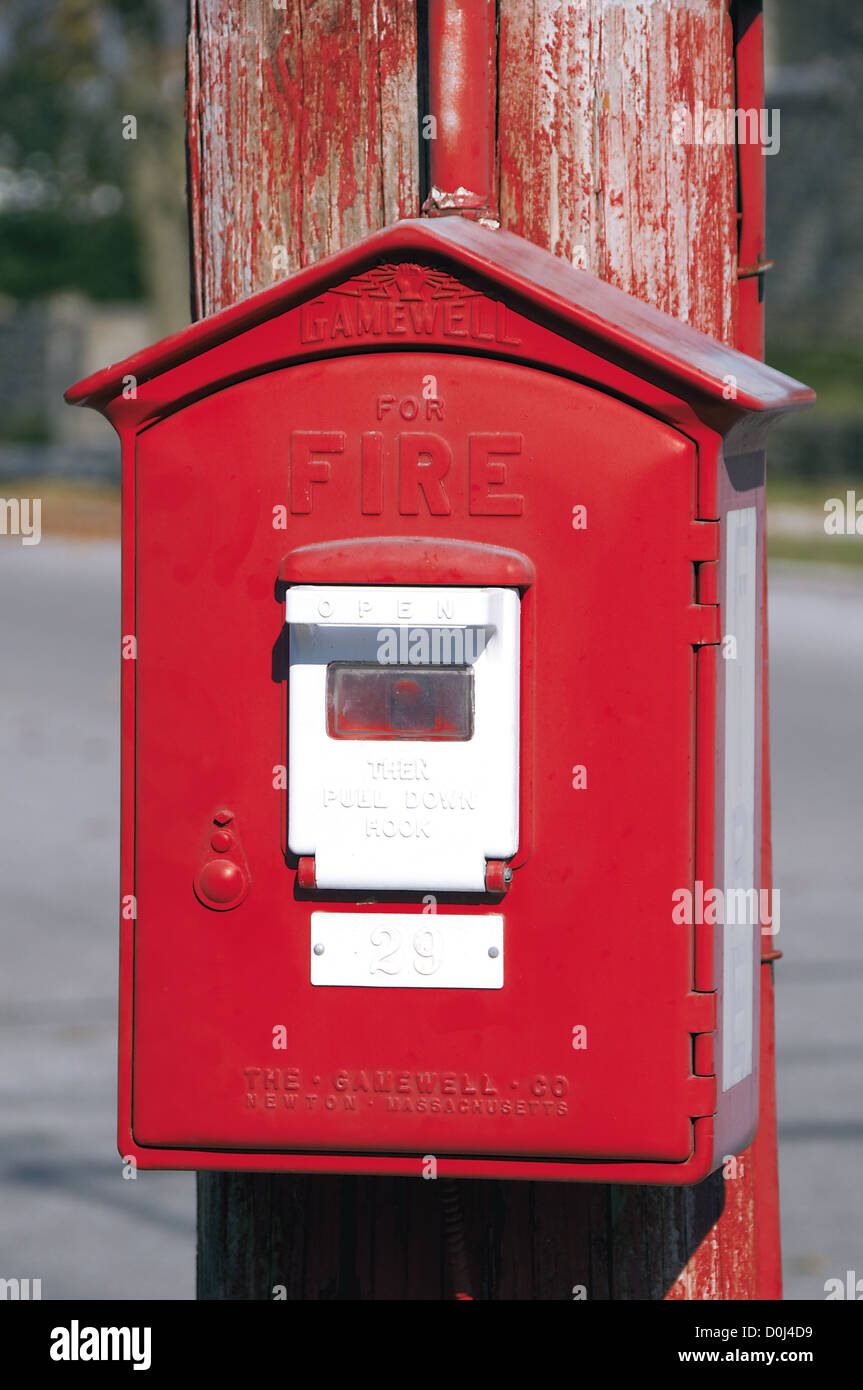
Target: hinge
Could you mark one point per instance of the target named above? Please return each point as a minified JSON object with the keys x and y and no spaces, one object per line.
{"x":703,"y":626}
{"x":703,"y":542}
{"x":701,"y":1018}
{"x":701,"y":1011}
{"x":707,"y":582}
{"x":703,"y":1058}
{"x":702,"y":1096}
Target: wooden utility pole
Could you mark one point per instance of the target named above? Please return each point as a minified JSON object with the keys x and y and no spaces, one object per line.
{"x":306,"y":123}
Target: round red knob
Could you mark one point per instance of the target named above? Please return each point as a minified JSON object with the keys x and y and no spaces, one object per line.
{"x":222,"y":881}
{"x":221,"y":840}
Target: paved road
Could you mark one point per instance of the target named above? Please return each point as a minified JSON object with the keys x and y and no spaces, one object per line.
{"x":816,"y":639}
{"x":66,"y":1214}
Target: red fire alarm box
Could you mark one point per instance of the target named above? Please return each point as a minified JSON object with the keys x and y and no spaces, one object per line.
{"x":442,"y":639}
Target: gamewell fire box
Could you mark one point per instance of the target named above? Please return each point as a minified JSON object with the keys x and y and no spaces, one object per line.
{"x":442,"y":649}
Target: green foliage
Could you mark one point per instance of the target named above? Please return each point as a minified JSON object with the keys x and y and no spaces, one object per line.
{"x":42,"y":253}
{"x":23,"y":429}
{"x":69,"y":71}
{"x":835,"y":372}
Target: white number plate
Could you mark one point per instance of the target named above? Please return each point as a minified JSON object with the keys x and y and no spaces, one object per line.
{"x":417,"y":950}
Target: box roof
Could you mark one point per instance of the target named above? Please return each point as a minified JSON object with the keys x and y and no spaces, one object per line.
{"x":571,"y":301}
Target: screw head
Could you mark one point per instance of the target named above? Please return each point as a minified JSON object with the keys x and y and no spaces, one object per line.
{"x":318,"y":948}
{"x":493,"y":952}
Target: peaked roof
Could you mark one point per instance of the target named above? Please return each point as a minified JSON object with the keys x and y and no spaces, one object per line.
{"x":532,"y":277}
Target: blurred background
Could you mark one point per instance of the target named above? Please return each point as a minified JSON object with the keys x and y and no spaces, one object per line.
{"x":93,"y":265}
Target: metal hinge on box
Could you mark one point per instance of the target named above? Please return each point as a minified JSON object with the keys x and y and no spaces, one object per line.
{"x":702,"y":1096}
{"x":701,"y":1017}
{"x":703,"y":626}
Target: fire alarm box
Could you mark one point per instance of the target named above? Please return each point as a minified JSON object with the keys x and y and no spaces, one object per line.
{"x":443,"y":636}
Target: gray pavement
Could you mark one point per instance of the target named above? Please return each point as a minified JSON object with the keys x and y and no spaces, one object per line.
{"x":67,"y":1216}
{"x":816,"y":643}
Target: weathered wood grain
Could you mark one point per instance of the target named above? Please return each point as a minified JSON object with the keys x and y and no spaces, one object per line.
{"x":302,"y":138}
{"x":588,"y":166}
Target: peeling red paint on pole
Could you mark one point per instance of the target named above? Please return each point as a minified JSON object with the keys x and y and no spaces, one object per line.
{"x":302,"y":134}
{"x":749,"y":67}
{"x":588,"y":164}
